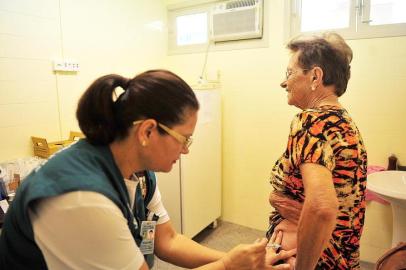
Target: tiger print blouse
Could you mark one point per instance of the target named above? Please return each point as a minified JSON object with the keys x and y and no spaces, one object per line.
{"x":329,"y":137}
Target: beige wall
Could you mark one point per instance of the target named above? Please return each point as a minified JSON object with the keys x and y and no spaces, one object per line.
{"x":108,"y":36}
{"x":256,"y":118}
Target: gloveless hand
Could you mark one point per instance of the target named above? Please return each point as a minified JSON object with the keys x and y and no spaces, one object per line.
{"x":246,"y":256}
{"x":273,"y":255}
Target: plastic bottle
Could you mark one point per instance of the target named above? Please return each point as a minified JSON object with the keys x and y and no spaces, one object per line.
{"x":392,"y":163}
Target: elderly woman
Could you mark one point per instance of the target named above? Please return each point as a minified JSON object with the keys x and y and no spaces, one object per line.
{"x":319,"y":181}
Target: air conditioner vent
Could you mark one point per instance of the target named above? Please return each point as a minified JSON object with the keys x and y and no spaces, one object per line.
{"x":240,"y":3}
{"x":236,"y":20}
{"x":240,"y":22}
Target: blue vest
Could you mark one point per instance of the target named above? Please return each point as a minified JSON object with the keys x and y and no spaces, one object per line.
{"x":83,"y":167}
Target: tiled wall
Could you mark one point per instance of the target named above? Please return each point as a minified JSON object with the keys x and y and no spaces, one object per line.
{"x":29,"y":39}
{"x":106,"y":36}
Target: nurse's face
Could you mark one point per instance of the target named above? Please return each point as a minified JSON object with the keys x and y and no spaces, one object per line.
{"x":174,"y":141}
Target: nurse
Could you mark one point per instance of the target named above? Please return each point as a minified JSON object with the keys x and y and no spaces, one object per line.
{"x":93,"y":204}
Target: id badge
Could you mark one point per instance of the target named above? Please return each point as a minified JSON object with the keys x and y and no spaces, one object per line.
{"x":147,"y":232}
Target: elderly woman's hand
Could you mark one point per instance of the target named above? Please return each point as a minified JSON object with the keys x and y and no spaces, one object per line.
{"x":287,"y":208}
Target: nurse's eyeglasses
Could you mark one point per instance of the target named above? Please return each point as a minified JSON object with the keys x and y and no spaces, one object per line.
{"x":186,"y":141}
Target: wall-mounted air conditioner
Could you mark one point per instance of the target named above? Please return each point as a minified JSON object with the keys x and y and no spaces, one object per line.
{"x":237,"y":19}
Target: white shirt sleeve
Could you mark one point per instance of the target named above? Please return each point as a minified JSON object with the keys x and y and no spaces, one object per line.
{"x":84,"y":230}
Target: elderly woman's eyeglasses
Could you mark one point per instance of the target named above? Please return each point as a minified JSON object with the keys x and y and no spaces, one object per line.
{"x":290,"y":72}
{"x":186,"y":141}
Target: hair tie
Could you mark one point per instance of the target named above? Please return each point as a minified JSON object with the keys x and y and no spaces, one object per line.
{"x":123,"y":83}
{"x":126,"y":84}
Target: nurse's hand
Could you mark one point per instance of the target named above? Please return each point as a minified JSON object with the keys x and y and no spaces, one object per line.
{"x":276,"y":255}
{"x":253,"y":256}
{"x":246,"y":257}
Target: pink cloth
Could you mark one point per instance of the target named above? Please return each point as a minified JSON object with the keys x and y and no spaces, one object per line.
{"x":370,"y":195}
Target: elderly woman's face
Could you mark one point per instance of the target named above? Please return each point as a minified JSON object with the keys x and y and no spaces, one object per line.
{"x":297,"y":83}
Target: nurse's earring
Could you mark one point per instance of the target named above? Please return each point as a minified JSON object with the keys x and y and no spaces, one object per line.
{"x":143,"y":142}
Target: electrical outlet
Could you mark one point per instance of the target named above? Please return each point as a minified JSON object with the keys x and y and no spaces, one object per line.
{"x":66,"y":65}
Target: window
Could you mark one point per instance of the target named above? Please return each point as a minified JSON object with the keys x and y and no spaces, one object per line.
{"x":351,"y":18}
{"x":213,"y":25}
{"x":188,"y":29}
{"x":334,"y":16}
{"x":387,"y":12}
{"x":191,"y":29}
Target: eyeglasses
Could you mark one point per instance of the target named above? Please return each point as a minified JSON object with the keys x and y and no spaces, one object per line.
{"x":186,"y":141}
{"x":290,"y":72}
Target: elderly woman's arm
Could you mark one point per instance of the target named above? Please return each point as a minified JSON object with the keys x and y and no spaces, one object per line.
{"x":319,"y":213}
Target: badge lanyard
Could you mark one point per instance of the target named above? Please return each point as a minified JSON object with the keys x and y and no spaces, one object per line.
{"x":147,"y":230}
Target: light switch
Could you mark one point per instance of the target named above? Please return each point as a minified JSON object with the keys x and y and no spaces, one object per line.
{"x":66,"y":65}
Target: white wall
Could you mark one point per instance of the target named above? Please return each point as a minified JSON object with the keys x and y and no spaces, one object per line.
{"x":104,"y":36}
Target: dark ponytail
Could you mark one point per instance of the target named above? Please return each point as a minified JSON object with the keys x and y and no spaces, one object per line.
{"x":95,"y":112}
{"x":155,"y":94}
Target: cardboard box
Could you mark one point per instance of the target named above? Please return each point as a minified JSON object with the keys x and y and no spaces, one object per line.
{"x":44,"y":149}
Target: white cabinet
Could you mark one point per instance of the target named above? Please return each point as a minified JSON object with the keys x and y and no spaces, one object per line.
{"x":191,"y":192}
